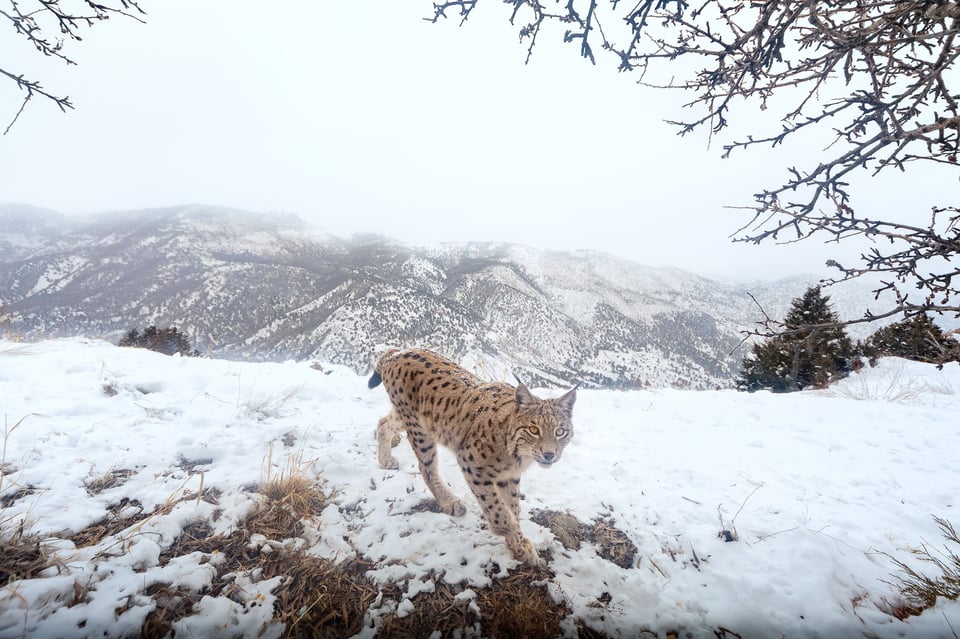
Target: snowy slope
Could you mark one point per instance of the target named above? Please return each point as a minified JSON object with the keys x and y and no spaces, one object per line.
{"x":823,"y":490}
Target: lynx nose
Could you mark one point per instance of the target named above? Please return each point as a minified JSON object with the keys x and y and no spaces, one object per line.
{"x":548,"y":457}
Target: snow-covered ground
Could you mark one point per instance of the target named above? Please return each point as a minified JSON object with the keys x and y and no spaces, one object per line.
{"x":823,"y":490}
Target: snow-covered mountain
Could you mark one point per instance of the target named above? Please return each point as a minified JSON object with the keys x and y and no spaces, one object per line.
{"x":267,"y":287}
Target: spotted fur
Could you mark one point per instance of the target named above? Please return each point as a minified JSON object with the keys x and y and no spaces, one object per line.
{"x":495,"y":430}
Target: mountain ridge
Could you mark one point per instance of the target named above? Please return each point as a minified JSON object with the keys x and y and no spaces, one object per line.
{"x":267,"y":286}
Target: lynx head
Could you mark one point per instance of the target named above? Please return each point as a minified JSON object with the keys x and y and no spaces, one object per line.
{"x":543,"y":427}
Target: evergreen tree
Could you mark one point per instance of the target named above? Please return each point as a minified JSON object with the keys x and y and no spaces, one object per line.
{"x":812,"y":351}
{"x":917,"y":338}
{"x":168,"y":341}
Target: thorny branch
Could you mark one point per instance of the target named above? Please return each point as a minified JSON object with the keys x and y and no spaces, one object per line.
{"x":46,"y":25}
{"x":878,"y":76}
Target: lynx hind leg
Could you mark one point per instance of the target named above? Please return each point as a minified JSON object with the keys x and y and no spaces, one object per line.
{"x":425,"y":448}
{"x":388,"y":436}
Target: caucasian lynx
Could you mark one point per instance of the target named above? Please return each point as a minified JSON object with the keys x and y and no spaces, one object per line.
{"x":494,"y":429}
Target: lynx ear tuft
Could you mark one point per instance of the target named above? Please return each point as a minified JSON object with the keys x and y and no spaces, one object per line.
{"x":567,"y":400}
{"x":524,"y":396}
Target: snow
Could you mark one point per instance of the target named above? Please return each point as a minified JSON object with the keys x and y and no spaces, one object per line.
{"x":822,"y":490}
{"x":58,"y":274}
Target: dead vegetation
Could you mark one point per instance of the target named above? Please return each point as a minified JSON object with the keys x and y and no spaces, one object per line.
{"x":518,"y":605}
{"x":320,"y":597}
{"x":110,"y":479}
{"x":120,"y":516}
{"x":22,"y":555}
{"x":610,"y":542}
{"x":12,"y":497}
{"x":922,"y":588}
{"x":171,"y":604}
{"x":316,"y":598}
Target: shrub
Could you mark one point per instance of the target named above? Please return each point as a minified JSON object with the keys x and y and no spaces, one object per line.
{"x":917,"y":338}
{"x":813,"y":350}
{"x":168,"y":341}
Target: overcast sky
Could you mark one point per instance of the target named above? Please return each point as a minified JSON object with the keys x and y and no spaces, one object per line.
{"x":363,"y":117}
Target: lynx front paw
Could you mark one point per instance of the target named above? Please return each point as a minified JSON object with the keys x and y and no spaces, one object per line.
{"x":523,"y":550}
{"x":454,"y":508}
{"x":388,"y":462}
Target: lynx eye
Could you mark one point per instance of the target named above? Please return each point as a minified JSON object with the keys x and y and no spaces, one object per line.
{"x":561,"y":432}
{"x":534,"y":431}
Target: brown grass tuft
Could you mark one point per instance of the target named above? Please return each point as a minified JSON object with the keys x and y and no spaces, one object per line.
{"x":110,"y":525}
{"x":22,"y":555}
{"x":900,"y":608}
{"x":518,"y":605}
{"x":437,"y":611}
{"x":171,"y":604}
{"x":514,"y":607}
{"x":319,"y":598}
{"x":10,"y":498}
{"x":921,"y":589}
{"x":611,"y":543}
{"x":110,"y":479}
{"x":566,"y":528}
{"x":195,"y":537}
{"x":293,"y":488}
{"x":428,"y":505}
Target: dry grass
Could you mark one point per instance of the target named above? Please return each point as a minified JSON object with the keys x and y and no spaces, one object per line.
{"x":171,"y":604}
{"x":438,"y":611}
{"x":611,"y":543}
{"x":113,"y":524}
{"x":294,"y":487}
{"x":317,"y":597}
{"x":892,"y":384}
{"x":22,"y":555}
{"x":921,"y":589}
{"x":11,"y":498}
{"x":518,"y":605}
{"x":8,"y":430}
{"x":110,"y":479}
{"x":320,"y":598}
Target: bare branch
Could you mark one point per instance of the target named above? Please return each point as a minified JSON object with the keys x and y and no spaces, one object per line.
{"x":36,"y":20}
{"x":877,"y":75}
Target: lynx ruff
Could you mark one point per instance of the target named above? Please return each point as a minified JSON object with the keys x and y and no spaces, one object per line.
{"x":495,"y":431}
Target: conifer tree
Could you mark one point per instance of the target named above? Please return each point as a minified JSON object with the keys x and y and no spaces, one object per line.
{"x":813,"y":350}
{"x":917,"y":338}
{"x":168,"y":341}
